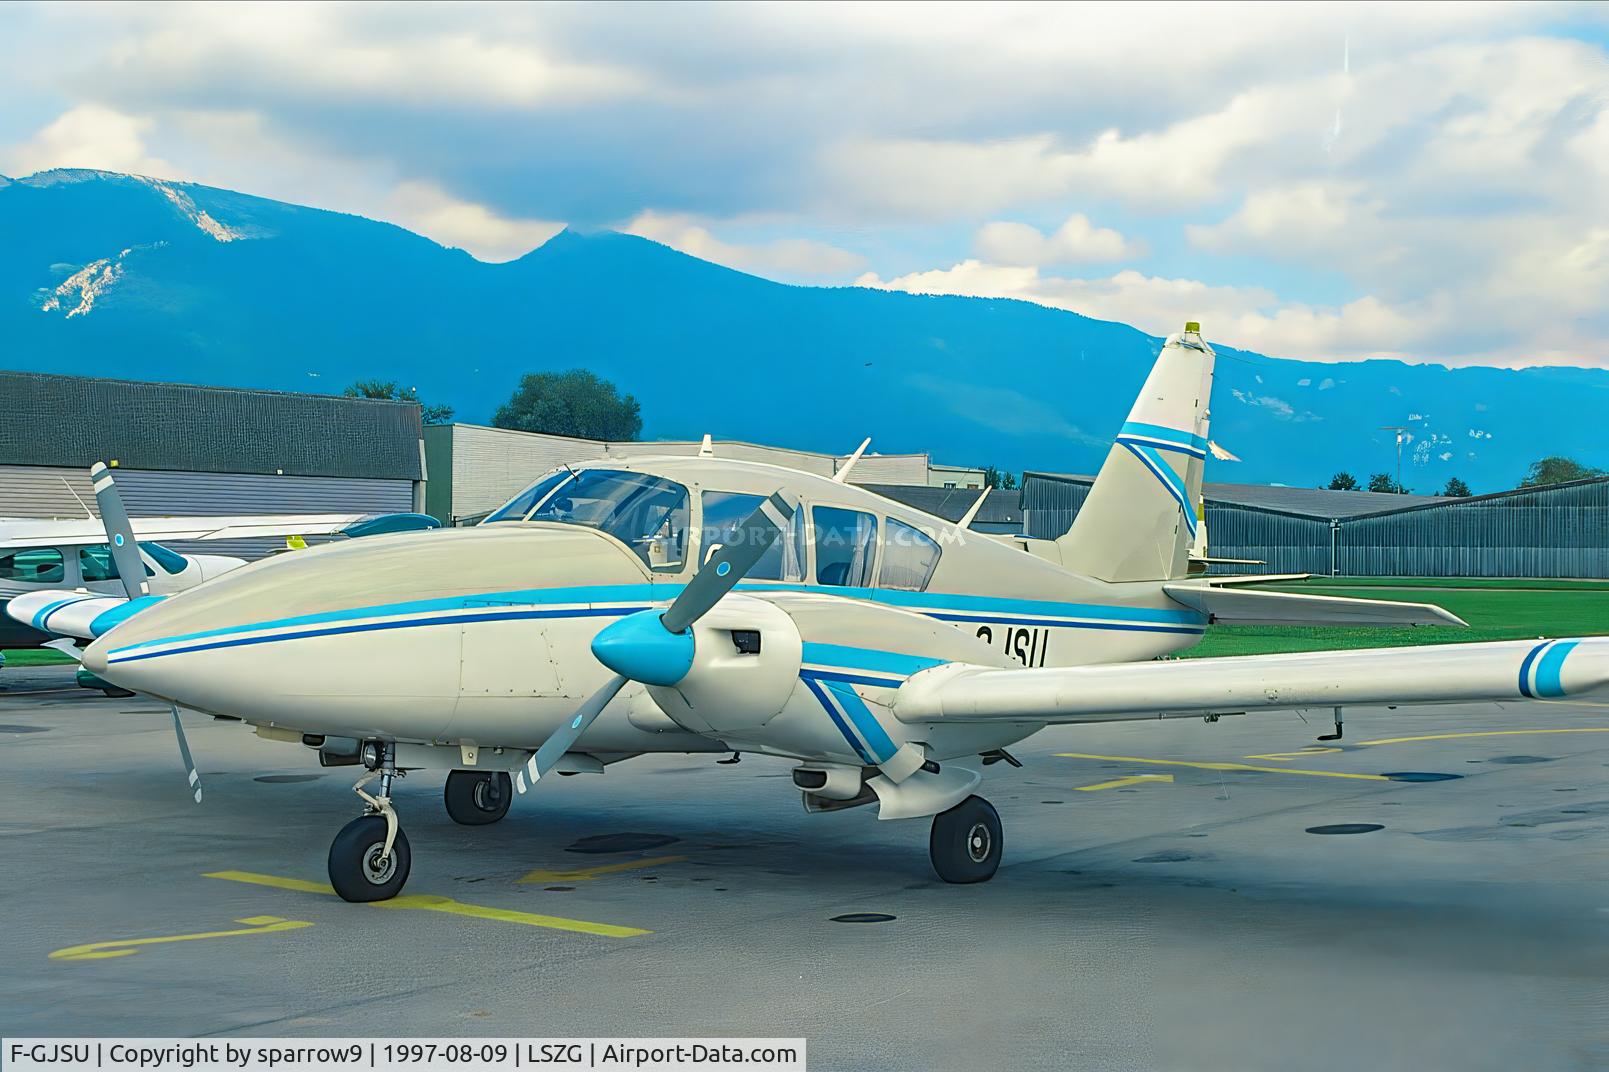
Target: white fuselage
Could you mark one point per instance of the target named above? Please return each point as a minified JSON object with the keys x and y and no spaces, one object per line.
{"x":481,"y":636}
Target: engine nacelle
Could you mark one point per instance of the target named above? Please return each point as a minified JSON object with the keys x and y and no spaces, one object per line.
{"x":746,"y":659}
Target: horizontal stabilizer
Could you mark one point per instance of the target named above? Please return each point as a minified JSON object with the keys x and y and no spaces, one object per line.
{"x":1244,"y":606}
{"x":1448,"y":673}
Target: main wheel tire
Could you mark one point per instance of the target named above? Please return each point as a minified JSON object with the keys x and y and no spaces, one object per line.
{"x":475,"y":798}
{"x":358,"y":869}
{"x":966,"y":842}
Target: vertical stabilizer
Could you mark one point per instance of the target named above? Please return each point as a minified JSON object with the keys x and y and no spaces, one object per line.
{"x":1139,"y":520}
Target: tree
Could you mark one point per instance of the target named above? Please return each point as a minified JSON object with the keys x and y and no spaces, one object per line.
{"x":392,"y":391}
{"x":1343,"y":481}
{"x":574,"y":403}
{"x":1456,"y":489}
{"x":1384,"y":482}
{"x":999,"y":478}
{"x":1556,"y":470}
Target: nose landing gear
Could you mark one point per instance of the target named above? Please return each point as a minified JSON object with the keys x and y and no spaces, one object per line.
{"x":370,"y":858}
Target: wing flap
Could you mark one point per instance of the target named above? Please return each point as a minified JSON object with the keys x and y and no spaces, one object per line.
{"x":1451,"y":673}
{"x":1242,"y":606}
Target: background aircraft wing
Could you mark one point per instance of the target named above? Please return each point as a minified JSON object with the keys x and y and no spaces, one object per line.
{"x":89,"y":530}
{"x":1451,"y":673}
{"x":1247,"y":606}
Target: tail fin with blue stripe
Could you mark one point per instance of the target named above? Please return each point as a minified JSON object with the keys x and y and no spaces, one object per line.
{"x":1139,"y":520}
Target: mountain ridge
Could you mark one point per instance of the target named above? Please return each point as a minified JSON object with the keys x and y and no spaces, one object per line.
{"x":199,"y":284}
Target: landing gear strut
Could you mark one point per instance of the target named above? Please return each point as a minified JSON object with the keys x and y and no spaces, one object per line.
{"x":475,"y":798}
{"x":966,"y":843}
{"x":370,"y":858}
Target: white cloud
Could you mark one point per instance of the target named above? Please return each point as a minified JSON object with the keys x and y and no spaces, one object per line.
{"x":88,"y":136}
{"x":789,"y":258}
{"x":1075,"y":240}
{"x":436,"y":214}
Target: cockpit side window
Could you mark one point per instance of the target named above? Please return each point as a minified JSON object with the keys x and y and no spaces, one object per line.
{"x":35,"y":565}
{"x":95,"y":563}
{"x":846,"y":546}
{"x":517,"y":508}
{"x":648,"y":514}
{"x":909,"y":557}
{"x":724,"y":511}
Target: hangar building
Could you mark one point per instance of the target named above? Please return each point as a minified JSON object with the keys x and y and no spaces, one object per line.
{"x":1558,"y":530}
{"x":184,"y":449}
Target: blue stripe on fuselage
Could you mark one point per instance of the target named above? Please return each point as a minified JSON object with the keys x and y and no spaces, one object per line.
{"x":944,"y":606}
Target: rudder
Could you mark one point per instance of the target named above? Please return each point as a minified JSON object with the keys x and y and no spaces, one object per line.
{"x":1139,"y":519}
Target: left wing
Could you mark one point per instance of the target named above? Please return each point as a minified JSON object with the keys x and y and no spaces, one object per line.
{"x":1451,"y":673}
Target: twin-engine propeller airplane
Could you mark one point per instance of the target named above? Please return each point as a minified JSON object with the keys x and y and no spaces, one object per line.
{"x":704,"y":605}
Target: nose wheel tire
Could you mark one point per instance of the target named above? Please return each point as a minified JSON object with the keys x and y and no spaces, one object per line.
{"x":360,"y":869}
{"x":475,"y":798}
{"x":966,"y":843}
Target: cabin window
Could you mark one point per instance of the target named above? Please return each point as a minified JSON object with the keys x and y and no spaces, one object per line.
{"x":724,"y":511}
{"x":95,"y":563}
{"x":648,"y":514}
{"x":521,"y":505}
{"x":846,"y":546}
{"x":34,"y":565}
{"x":909,"y":557}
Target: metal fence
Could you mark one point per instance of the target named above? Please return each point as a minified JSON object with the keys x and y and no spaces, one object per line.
{"x":1561,"y":530}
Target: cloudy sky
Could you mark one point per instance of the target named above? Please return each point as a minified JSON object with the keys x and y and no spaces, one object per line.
{"x":1428,"y":182}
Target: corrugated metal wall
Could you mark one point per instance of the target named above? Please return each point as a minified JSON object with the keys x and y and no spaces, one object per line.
{"x":38,"y":491}
{"x":1560,"y":531}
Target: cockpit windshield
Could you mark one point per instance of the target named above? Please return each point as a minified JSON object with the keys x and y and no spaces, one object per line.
{"x":648,"y":514}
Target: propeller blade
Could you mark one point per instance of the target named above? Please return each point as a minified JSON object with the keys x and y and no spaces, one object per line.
{"x":553,"y":749}
{"x":119,"y":532}
{"x":184,"y":752}
{"x":728,"y":565}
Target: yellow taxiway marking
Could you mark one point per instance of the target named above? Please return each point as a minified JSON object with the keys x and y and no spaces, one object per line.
{"x":1484,"y":733}
{"x":1225,"y":766}
{"x":1281,"y":757}
{"x":582,"y":874}
{"x":1117,"y":783}
{"x":433,"y":903}
{"x":129,"y":946}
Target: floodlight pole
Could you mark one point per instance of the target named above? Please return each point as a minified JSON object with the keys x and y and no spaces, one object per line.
{"x":1399,"y":429}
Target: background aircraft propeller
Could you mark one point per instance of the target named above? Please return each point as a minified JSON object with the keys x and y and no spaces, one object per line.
{"x":119,"y":533}
{"x":657,"y":648}
{"x":131,"y":571}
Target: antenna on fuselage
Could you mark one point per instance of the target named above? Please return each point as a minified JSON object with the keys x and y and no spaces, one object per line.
{"x":706,"y":449}
{"x":87,"y":511}
{"x":972,"y":511}
{"x":843,"y":474}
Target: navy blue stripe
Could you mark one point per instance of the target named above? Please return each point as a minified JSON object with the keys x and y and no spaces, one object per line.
{"x":1525,"y":668}
{"x":837,"y":720}
{"x":856,"y":679}
{"x":401,"y":623}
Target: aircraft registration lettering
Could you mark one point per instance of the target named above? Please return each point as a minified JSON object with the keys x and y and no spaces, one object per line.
{"x":1025,"y":645}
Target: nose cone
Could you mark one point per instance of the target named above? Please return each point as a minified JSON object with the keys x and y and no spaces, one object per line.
{"x":639,"y":647}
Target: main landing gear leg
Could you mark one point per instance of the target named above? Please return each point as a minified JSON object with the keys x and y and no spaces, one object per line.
{"x":370,"y":858}
{"x":965,"y":844}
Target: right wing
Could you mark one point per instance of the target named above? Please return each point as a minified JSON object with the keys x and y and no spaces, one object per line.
{"x":1450,"y":673}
